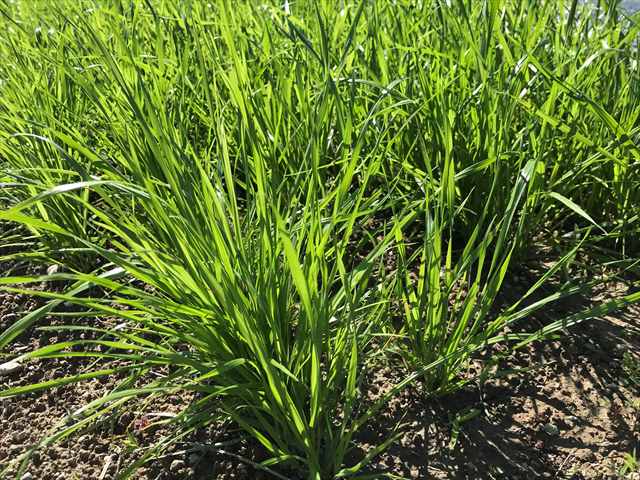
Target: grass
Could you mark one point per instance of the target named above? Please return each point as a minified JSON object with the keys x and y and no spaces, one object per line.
{"x":630,"y":464}
{"x":272,"y":197}
{"x":631,"y":367}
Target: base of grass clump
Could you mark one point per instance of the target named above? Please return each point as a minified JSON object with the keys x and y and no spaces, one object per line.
{"x":578,"y":385}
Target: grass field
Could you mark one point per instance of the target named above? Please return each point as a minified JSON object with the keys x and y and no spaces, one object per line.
{"x":253,"y":206}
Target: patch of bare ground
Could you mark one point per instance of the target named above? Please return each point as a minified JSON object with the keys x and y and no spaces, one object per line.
{"x":105,"y":448}
{"x":571,"y":414}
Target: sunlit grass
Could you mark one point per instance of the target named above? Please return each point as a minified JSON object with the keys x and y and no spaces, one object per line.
{"x":262,"y":192}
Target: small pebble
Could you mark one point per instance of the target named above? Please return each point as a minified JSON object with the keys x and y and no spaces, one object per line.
{"x":572,"y":421}
{"x":10,"y":367}
{"x":550,"y":429}
{"x":176,"y":466}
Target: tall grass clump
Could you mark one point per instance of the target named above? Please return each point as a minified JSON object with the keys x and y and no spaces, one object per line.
{"x":270,"y":197}
{"x":488,"y":86}
{"x":251,"y":297}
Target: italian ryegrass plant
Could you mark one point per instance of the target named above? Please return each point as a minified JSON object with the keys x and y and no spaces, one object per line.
{"x":447,"y":291}
{"x":255,"y":307}
{"x":38,"y":99}
{"x":496,"y":84}
{"x":244,"y":173}
{"x":252,"y":297}
{"x":448,"y":288}
{"x":482,"y":84}
{"x":266,"y":319}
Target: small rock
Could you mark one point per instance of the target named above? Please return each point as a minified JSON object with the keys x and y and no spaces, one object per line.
{"x":572,"y":421}
{"x":550,"y":429}
{"x":27,"y":476}
{"x":415,"y":472}
{"x":10,"y":367}
{"x":101,"y":448}
{"x":176,"y":466}
{"x":14,"y":450}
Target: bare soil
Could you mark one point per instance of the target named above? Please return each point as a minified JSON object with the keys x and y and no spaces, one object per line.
{"x":573,"y":414}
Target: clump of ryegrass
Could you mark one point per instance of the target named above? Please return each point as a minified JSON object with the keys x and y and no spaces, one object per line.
{"x":223,"y":156}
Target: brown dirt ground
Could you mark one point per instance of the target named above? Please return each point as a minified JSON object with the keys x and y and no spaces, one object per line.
{"x":574,"y":415}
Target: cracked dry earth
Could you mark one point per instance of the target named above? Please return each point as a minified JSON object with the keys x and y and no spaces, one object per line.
{"x":573,"y":414}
